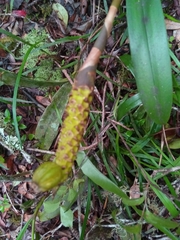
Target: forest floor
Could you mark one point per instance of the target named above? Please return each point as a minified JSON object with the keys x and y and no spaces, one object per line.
{"x":34,"y":90}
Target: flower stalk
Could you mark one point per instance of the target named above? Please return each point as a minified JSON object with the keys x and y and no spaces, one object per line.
{"x":77,"y":111}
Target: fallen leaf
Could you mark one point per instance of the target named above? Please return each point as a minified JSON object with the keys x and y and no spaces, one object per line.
{"x":170,"y":25}
{"x":134,"y":190}
{"x":83,"y":4}
{"x":61,"y":12}
{"x":10,"y":162}
{"x":27,"y":217}
{"x":43,"y":100}
{"x":22,"y":189}
{"x":30,"y":195}
{"x":19,"y":13}
{"x":2,"y":224}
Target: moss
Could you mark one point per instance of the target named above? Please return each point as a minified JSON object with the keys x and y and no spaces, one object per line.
{"x":37,"y":61}
{"x":44,"y":71}
{"x":38,"y":38}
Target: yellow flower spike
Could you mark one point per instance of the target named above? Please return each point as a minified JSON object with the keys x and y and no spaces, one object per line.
{"x":77,"y":109}
{"x":51,"y":174}
{"x":48,"y":175}
{"x":73,"y":127}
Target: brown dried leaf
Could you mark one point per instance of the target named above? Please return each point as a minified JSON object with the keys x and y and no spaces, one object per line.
{"x":22,"y":189}
{"x":30,"y":195}
{"x":134,"y":190}
{"x":2,"y":224}
{"x":27,"y":217}
{"x":10,"y":162}
{"x":43,"y":100}
{"x":83,"y":6}
{"x":170,"y":25}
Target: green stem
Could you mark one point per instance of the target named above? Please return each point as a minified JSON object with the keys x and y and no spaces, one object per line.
{"x":35,"y":215}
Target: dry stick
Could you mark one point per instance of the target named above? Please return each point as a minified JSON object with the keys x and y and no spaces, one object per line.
{"x":103,"y":105}
{"x":97,"y":140}
{"x":93,"y":12}
{"x":94,"y":55}
{"x":81,"y":55}
{"x":40,"y":151}
{"x":12,"y":205}
{"x":65,"y":73}
{"x":165,"y":139}
{"x":120,"y":124}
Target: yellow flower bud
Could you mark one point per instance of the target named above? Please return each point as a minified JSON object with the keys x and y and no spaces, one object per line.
{"x":48,"y":175}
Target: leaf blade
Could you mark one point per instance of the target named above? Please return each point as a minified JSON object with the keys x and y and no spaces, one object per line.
{"x":150,"y":57}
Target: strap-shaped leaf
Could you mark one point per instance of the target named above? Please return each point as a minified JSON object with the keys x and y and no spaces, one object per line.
{"x":150,"y":57}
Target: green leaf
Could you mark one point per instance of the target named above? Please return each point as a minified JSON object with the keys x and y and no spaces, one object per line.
{"x":127,"y":61}
{"x":127,"y":105}
{"x":77,"y":183}
{"x":44,"y":216}
{"x":166,"y":201}
{"x":2,"y":164}
{"x":73,"y":193}
{"x":140,"y":144}
{"x":97,"y":177}
{"x":30,"y":136}
{"x":156,"y":220}
{"x":2,"y":160}
{"x":51,"y":205}
{"x":159,"y":223}
{"x":174,"y":144}
{"x":163,"y":197}
{"x":7,"y":114}
{"x":47,"y":127}
{"x":178,"y":231}
{"x":9,"y":78}
{"x":61,"y":192}
{"x":133,"y":229}
{"x":167,"y":232}
{"x":72,"y":196}
{"x":23,"y":230}
{"x":66,"y":217}
{"x":133,"y":202}
{"x":150,"y":57}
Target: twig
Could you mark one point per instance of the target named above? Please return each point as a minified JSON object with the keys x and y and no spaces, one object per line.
{"x":103,"y":105}
{"x":120,"y":124}
{"x":16,"y":211}
{"x":51,"y":232}
{"x":65,"y":73}
{"x":165,"y":139}
{"x":40,"y":151}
